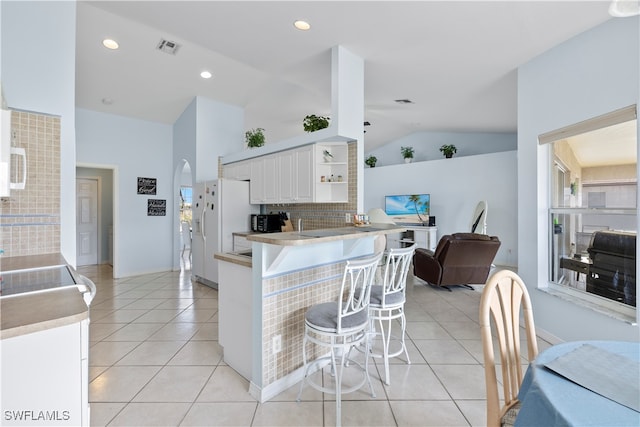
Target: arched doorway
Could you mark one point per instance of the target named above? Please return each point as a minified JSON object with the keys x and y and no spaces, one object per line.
{"x":183,"y":184}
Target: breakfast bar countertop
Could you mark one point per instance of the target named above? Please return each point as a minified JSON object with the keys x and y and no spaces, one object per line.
{"x":310,"y":237}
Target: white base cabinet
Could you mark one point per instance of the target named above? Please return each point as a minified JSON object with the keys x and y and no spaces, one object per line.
{"x":45,"y":377}
{"x":423,"y":237}
{"x":235,"y":296}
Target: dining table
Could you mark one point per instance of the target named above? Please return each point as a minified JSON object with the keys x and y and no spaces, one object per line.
{"x":582,"y":383}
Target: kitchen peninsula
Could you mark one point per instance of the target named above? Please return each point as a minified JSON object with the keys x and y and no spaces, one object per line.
{"x":264,"y":293}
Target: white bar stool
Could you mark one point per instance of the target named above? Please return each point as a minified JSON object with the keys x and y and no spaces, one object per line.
{"x":340,"y":325}
{"x":387,"y":303}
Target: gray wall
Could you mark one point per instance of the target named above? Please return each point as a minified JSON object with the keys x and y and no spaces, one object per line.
{"x":456,"y":186}
{"x":38,"y":74}
{"x":133,"y":148}
{"x":587,"y":76}
{"x":427,"y":145}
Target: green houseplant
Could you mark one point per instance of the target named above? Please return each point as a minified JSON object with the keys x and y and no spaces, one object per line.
{"x":371,"y":161}
{"x":254,"y":137}
{"x":448,"y":150}
{"x":312,"y":123}
{"x":407,"y":153}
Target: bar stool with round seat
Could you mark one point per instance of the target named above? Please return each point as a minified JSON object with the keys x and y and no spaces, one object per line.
{"x":387,"y":303}
{"x":339,"y":325}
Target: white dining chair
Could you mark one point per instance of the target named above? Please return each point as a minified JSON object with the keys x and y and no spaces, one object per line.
{"x":503,"y":298}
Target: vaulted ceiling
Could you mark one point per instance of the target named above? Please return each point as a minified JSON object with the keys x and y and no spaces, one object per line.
{"x":455,"y":61}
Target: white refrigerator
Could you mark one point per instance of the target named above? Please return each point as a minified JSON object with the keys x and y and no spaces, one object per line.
{"x":220,"y":208}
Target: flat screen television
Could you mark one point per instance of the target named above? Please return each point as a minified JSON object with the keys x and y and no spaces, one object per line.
{"x":408,"y":208}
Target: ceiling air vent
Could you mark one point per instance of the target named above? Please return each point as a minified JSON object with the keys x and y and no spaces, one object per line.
{"x":167,"y":46}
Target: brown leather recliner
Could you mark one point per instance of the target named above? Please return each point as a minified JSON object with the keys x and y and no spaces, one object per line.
{"x":459,"y":259}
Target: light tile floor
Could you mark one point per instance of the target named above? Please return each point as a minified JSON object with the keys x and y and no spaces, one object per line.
{"x":155,"y":361}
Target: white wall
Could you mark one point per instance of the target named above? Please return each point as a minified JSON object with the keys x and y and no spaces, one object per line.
{"x":38,"y":74}
{"x":219,"y":131}
{"x":137,"y":148}
{"x":184,"y":137}
{"x":589,"y":75}
{"x":427,"y":145}
{"x":205,"y":130}
{"x":456,"y":186}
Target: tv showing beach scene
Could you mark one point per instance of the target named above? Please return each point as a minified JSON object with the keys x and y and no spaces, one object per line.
{"x":408,"y":208}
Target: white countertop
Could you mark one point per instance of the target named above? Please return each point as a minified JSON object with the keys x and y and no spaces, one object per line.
{"x":39,"y":309}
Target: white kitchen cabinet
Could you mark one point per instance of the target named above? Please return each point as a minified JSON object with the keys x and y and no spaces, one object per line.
{"x":240,"y":242}
{"x":296,"y":175}
{"x":304,"y":175}
{"x":240,"y":171}
{"x":301,"y":175}
{"x":264,"y":180}
{"x":423,"y":237}
{"x":287,"y":176}
{"x":45,"y":377}
{"x":235,"y":316}
{"x":331,"y":172}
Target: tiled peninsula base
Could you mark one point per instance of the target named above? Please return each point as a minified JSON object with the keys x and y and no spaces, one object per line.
{"x":263,"y":303}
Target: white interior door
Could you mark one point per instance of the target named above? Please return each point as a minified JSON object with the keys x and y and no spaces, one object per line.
{"x":86,"y":221}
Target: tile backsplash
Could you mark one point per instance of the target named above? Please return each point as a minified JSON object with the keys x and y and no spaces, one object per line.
{"x":30,"y":218}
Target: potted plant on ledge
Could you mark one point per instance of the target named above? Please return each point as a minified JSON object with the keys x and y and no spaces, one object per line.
{"x":448,"y":150}
{"x":312,"y":123}
{"x":371,"y":161}
{"x":254,"y":137}
{"x":407,"y":154}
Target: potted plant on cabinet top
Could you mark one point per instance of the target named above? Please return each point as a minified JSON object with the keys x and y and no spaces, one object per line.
{"x":371,"y":161}
{"x":448,"y":150}
{"x":407,"y":153}
{"x":254,"y":137}
{"x":312,"y":123}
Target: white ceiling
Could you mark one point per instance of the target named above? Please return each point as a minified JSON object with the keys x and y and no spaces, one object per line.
{"x":455,"y":60}
{"x":612,"y":145}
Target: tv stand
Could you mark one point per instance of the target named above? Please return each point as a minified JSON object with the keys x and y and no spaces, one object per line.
{"x":424,"y":237}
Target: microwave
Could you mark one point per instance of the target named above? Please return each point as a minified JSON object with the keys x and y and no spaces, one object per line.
{"x":7,"y":161}
{"x":266,"y":223}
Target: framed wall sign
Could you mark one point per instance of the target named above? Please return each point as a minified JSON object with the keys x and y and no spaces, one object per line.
{"x":147,"y":185}
{"x":157,"y":207}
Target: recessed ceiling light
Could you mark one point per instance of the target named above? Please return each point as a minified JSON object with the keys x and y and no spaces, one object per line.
{"x":206,"y":75}
{"x":302,"y":25}
{"x":110,"y":44}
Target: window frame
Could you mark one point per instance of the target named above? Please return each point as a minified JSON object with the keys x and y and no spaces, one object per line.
{"x":595,"y":302}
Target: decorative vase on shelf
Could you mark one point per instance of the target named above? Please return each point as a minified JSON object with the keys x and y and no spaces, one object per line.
{"x":327,"y":156}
